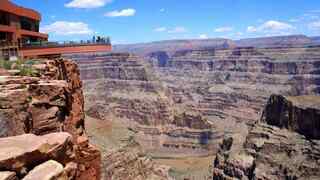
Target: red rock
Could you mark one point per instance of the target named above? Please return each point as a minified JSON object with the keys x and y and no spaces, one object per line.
{"x":50,"y":170}
{"x":22,"y":151}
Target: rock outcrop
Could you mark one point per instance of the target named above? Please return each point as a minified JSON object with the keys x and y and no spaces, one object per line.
{"x":277,"y":148}
{"x":47,"y":157}
{"x":300,"y":114}
{"x":51,"y":101}
{"x":130,"y":163}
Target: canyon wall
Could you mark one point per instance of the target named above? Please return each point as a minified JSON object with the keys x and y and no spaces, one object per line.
{"x":49,"y":100}
{"x":123,"y":86}
{"x":300,"y":114}
{"x":185,"y":103}
{"x":236,"y":83}
{"x":276,"y":147}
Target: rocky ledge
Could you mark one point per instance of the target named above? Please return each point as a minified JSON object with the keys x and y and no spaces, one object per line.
{"x":282,"y":146}
{"x":28,"y":156}
{"x":49,"y":101}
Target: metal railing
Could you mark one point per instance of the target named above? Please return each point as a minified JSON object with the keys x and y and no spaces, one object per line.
{"x":43,"y":44}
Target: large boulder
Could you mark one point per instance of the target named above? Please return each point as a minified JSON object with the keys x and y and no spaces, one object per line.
{"x":50,"y":170}
{"x":8,"y":175}
{"x":20,"y":153}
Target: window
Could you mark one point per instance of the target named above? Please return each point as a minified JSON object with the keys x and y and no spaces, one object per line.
{"x":27,"y":24}
{"x":4,"y":18}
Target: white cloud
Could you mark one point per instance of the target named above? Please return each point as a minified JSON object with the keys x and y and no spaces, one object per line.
{"x":121,"y":13}
{"x":67,"y":28}
{"x":203,"y":36}
{"x":315,"y":25}
{"x":223,"y":29}
{"x":251,"y":29}
{"x":87,"y":3}
{"x":271,"y":27}
{"x":178,"y":29}
{"x":160,"y":29}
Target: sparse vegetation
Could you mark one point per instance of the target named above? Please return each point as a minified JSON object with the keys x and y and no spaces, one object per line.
{"x":5,"y":64}
{"x":25,"y":67}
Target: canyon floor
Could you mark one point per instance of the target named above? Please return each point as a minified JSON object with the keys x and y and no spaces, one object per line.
{"x":111,"y":134}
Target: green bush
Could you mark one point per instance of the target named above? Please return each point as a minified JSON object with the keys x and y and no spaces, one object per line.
{"x":6,"y":64}
{"x":27,"y":70}
{"x":25,"y":67}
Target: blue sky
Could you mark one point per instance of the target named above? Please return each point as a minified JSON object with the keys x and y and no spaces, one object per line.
{"x":132,"y":21}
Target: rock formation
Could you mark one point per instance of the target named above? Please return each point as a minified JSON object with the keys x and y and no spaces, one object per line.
{"x":183,"y":103}
{"x":300,"y":114}
{"x":129,"y":163}
{"x":121,"y":85}
{"x":269,"y":152}
{"x":51,"y":101}
{"x":234,"y":84}
{"x":38,"y":157}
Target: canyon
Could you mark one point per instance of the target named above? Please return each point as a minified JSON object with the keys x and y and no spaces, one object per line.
{"x":211,"y":109}
{"x":178,"y":103}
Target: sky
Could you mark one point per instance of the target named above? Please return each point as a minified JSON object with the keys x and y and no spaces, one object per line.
{"x":134,"y":21}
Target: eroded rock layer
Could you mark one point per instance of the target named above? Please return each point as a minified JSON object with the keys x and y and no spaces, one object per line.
{"x":300,"y":114}
{"x":52,"y":101}
{"x":269,"y":152}
{"x":123,"y":86}
{"x":129,"y":163}
{"x":236,"y":83}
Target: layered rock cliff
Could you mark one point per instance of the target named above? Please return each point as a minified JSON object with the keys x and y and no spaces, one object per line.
{"x":183,"y":103}
{"x":50,"y":101}
{"x":279,"y":147}
{"x":236,"y":83}
{"x":300,"y":114}
{"x":122,"y":86}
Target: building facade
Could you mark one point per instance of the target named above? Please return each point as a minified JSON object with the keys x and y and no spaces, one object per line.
{"x":19,"y":25}
{"x":20,"y":36}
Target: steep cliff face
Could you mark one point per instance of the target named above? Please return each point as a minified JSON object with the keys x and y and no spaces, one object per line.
{"x":300,"y":114}
{"x":183,"y":103}
{"x":276,"y":147}
{"x":236,"y":83}
{"x":122,"y":86}
{"x":50,"y":102}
